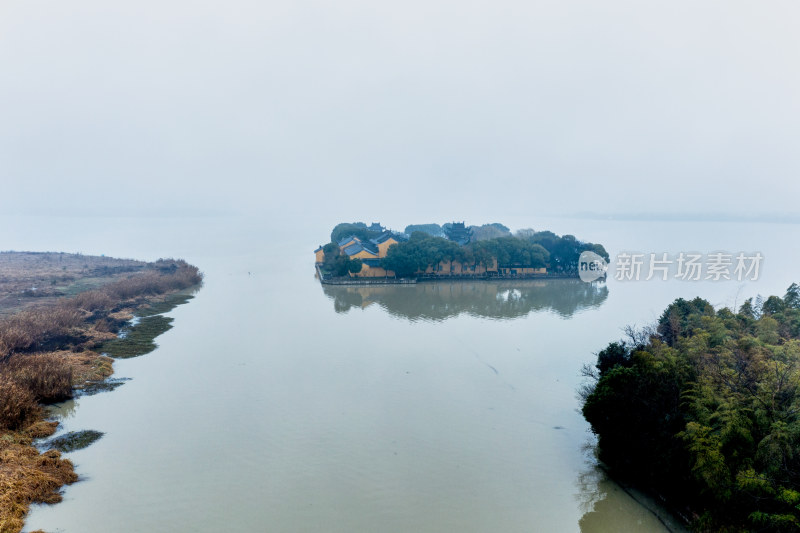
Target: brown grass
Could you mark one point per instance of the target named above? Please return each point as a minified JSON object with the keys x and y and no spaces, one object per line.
{"x":18,"y":406}
{"x":46,"y":375}
{"x":93,"y":300}
{"x":28,"y":378}
{"x":87,"y":366}
{"x":168,"y":275}
{"x":27,"y":477}
{"x":33,"y":279}
{"x":25,"y":329}
{"x":28,"y":330}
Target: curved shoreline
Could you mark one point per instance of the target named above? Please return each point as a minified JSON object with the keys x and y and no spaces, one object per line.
{"x":56,"y":362}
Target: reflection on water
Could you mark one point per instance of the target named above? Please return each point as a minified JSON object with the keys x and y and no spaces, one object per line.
{"x":506,"y":299}
{"x":608,"y":508}
{"x":62,"y":410}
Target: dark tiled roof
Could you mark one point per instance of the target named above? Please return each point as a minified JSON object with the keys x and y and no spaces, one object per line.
{"x":386,"y":235}
{"x":372,"y":262}
{"x":318,"y":249}
{"x":383,"y":237}
{"x":348,"y":239}
{"x":353,"y":249}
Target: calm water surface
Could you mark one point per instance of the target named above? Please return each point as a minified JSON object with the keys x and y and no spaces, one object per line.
{"x":276,"y":404}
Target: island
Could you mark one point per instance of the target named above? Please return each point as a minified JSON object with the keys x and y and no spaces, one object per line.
{"x":702,"y":410}
{"x":361,"y":253}
{"x":61,"y":317}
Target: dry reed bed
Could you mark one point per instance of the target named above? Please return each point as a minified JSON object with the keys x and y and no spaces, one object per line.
{"x":30,"y":378}
{"x":33,"y":279}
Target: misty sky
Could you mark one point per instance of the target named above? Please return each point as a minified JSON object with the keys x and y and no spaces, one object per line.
{"x":415,"y":111}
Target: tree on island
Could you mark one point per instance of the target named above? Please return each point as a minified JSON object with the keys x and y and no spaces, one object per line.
{"x":434,"y":230}
{"x":422,"y":251}
{"x":489,"y":231}
{"x":337,"y":263}
{"x":419,"y":252}
{"x":358,"y":229}
{"x":355,"y":266}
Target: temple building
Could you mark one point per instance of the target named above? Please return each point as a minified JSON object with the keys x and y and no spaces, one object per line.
{"x":369,"y":252}
{"x":458,"y":233}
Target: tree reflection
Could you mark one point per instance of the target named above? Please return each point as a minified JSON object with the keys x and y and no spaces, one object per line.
{"x":608,"y":508}
{"x":62,"y":410}
{"x":502,"y":300}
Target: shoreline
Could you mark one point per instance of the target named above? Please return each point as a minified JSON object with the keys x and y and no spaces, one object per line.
{"x":116,"y":320}
{"x":435,"y":279}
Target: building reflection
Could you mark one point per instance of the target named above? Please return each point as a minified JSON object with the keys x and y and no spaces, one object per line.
{"x":503,"y":300}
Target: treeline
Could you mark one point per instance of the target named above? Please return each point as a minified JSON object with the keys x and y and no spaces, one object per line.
{"x":359,"y":229}
{"x":479,"y":233}
{"x":527,"y":248}
{"x":423,"y":250}
{"x":434,"y":230}
{"x":704,"y":409}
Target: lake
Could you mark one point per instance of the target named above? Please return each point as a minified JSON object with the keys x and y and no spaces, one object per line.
{"x":277,"y":404}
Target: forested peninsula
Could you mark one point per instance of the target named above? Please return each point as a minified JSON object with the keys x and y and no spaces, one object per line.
{"x":454,"y":249}
{"x":703,"y":409}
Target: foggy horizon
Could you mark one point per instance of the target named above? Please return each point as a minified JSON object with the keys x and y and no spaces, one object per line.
{"x":428,"y":112}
